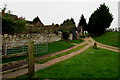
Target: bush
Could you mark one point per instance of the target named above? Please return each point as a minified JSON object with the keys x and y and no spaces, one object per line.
{"x":8,"y":25}
{"x":11,"y":26}
{"x":65,"y":35}
{"x":20,"y":25}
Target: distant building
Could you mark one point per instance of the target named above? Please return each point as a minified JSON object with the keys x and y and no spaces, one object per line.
{"x":37,"y":22}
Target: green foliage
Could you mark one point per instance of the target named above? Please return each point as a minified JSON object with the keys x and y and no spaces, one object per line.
{"x":11,"y":26}
{"x":20,"y":25}
{"x":67,"y":28}
{"x":65,"y":35}
{"x":99,"y":20}
{"x":83,"y":23}
{"x":8,"y":25}
{"x":68,"y":24}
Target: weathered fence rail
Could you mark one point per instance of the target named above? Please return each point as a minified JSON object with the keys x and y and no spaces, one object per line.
{"x":14,"y":47}
{"x":20,"y":48}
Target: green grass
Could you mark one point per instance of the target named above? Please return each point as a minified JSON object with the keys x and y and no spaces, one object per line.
{"x":62,"y":54}
{"x":92,"y":63}
{"x":55,"y":47}
{"x":52,"y":48}
{"x":109,"y":38}
{"x":76,"y":41}
{"x":6,"y":60}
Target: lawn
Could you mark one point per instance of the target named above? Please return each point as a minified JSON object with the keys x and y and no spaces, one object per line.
{"x":62,"y":54}
{"x":76,"y":41}
{"x":92,"y":63}
{"x":109,"y":38}
{"x":52,"y":48}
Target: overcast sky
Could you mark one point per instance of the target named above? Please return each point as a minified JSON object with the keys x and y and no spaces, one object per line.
{"x":57,"y":11}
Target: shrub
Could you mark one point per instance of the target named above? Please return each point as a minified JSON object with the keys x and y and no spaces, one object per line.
{"x":65,"y":35}
{"x":11,"y":26}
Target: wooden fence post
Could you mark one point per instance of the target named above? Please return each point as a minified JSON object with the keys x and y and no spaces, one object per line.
{"x":31,"y":61}
{"x":4,"y":50}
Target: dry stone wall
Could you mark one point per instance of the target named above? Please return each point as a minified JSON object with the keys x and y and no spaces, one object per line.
{"x":17,"y":40}
{"x":36,"y":37}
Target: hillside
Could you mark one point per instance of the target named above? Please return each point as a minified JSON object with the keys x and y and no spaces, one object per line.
{"x":109,"y":38}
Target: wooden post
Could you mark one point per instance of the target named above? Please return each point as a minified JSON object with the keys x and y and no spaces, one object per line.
{"x":4,"y":50}
{"x":95,"y":45}
{"x":31,"y":61}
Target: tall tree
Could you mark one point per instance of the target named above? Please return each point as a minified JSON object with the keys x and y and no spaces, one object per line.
{"x":68,"y":27}
{"x":99,"y":20}
{"x":68,"y":24}
{"x":83,"y":23}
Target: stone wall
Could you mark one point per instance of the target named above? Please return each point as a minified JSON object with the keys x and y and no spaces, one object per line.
{"x":36,"y":37}
{"x":17,"y":40}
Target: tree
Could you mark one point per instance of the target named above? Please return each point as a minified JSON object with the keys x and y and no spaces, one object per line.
{"x":20,"y":25}
{"x":68,"y":27}
{"x":65,"y":35}
{"x":11,"y":24}
{"x":8,"y":25}
{"x":100,"y":20}
{"x":68,"y":24}
{"x":83,"y":23}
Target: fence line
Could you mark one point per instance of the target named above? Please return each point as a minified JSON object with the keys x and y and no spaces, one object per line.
{"x":14,"y":47}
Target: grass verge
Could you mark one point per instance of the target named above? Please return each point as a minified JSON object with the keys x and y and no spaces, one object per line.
{"x":76,"y":41}
{"x":62,"y":54}
{"x":109,"y":38}
{"x":92,"y":63}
